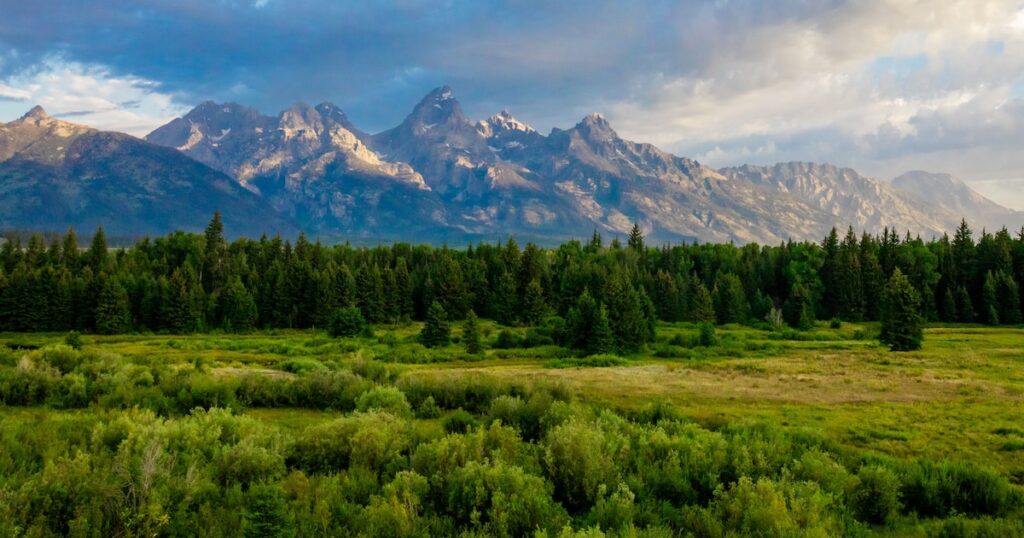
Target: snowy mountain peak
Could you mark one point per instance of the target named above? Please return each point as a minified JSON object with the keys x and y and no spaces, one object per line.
{"x":505,"y":120}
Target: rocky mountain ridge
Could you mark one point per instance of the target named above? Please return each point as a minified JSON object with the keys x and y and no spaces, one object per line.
{"x":55,"y":174}
{"x":442,"y":176}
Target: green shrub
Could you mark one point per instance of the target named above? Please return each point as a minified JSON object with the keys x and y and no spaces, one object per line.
{"x":876,"y":496}
{"x":73,"y":339}
{"x":766,"y":508}
{"x":593,"y":361}
{"x":375,"y":441}
{"x":579,"y":459}
{"x":707,"y":336}
{"x":936,"y":489}
{"x":458,"y":421}
{"x":501,"y":500}
{"x":506,"y":340}
{"x":428,"y":409}
{"x":299,"y":365}
{"x":347,"y":322}
{"x":388,"y":399}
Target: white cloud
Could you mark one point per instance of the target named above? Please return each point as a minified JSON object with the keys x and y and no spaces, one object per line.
{"x":878,"y":85}
{"x":88,"y":94}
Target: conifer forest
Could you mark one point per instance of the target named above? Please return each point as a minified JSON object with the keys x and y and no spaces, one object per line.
{"x":188,"y":385}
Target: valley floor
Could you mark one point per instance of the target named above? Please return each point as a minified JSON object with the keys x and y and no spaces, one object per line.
{"x":960,"y":398}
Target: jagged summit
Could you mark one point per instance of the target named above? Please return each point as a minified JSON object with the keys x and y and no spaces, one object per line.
{"x":595,"y":128}
{"x":503,"y":121}
{"x":438,"y":170}
{"x":35,"y":113}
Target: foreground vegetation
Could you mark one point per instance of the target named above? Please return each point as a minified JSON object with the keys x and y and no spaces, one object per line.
{"x":738,"y":431}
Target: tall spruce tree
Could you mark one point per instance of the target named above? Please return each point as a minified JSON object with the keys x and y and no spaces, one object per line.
{"x":798,"y":310}
{"x":901,"y":327}
{"x":587,"y":328}
{"x":436,"y":331}
{"x":730,"y":299}
{"x":97,"y":254}
{"x":215,"y":249}
{"x":626,"y":315}
{"x":990,"y":300}
{"x":534,"y":307}
{"x":471,"y":334}
{"x":702,"y":306}
{"x":239,"y":307}
{"x":636,"y":238}
{"x":113,"y":310}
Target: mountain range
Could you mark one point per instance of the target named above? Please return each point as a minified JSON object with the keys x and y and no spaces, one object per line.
{"x":439,"y":176}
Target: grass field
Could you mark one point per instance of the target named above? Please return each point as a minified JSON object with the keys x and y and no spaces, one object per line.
{"x":960,"y":398}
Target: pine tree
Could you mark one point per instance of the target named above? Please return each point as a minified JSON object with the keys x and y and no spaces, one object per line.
{"x":594,"y":245}
{"x":963,"y":257}
{"x":949,"y":311}
{"x":344,"y":287}
{"x":798,"y":310}
{"x":347,"y":321}
{"x":534,"y":307}
{"x":113,"y":310}
{"x":601,"y":338}
{"x":506,"y":303}
{"x":239,"y":307}
{"x":989,"y":300}
{"x":666,"y":296}
{"x":636,"y":238}
{"x":871,"y":276}
{"x":182,"y":308}
{"x":964,"y":306}
{"x":587,"y":328}
{"x":97,"y":254}
{"x":403,"y":290}
{"x":370,"y":293}
{"x":702,"y":306}
{"x":436,"y":331}
{"x":1009,"y":298}
{"x":901,"y":319}
{"x":471,"y":334}
{"x":450,"y":288}
{"x":214,"y":255}
{"x":626,"y":315}
{"x":730,"y":299}
{"x":851,"y":291}
{"x":70,"y":250}
{"x":830,"y":276}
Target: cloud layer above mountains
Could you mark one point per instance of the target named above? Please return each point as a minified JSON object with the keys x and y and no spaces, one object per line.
{"x":883,"y":86}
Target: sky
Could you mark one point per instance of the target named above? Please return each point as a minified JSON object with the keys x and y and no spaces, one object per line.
{"x":880,"y":86}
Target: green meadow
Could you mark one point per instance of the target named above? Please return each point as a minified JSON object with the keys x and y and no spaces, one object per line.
{"x":283,"y":433}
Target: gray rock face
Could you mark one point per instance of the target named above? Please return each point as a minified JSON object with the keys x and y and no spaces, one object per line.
{"x":440,"y":174}
{"x":55,"y":174}
{"x":950,"y":193}
{"x":848,"y":198}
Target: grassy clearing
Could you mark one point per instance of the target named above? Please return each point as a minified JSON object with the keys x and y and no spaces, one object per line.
{"x":960,"y":398}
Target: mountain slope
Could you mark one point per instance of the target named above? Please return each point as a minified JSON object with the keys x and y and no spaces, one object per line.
{"x":313,"y":166}
{"x":952,"y":194}
{"x":57,"y":174}
{"x":848,"y":198}
{"x":439,"y":174}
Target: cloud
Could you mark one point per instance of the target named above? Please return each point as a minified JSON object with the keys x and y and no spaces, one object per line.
{"x":91,"y":95}
{"x":874,"y":84}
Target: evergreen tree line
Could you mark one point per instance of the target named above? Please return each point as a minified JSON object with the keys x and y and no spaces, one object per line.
{"x":612,"y":293}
